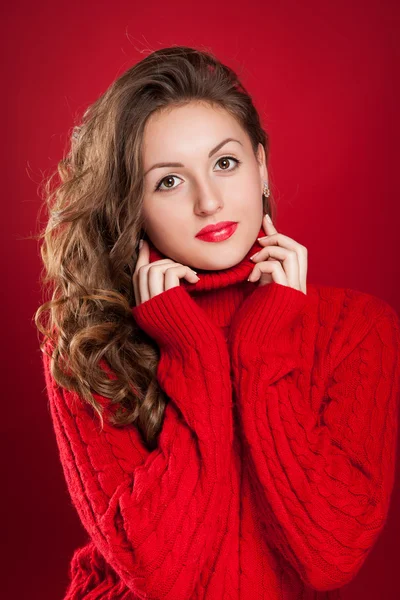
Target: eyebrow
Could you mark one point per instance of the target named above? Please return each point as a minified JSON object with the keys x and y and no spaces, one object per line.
{"x":177,"y":164}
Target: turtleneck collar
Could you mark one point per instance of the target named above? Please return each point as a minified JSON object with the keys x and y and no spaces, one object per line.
{"x":220,"y":292}
{"x":212,"y":280}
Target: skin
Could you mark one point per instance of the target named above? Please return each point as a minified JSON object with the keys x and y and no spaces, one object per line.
{"x":206,"y":190}
{"x":281,"y":259}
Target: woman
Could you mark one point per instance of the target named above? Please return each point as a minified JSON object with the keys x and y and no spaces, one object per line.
{"x":248,"y":418}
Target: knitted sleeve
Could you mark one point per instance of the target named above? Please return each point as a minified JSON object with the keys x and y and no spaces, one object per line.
{"x":153,"y":514}
{"x":320,"y":425}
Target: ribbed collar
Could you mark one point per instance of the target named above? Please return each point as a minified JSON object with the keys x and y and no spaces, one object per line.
{"x":220,"y":292}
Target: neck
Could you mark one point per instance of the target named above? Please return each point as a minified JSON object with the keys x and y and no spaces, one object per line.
{"x":220,"y":292}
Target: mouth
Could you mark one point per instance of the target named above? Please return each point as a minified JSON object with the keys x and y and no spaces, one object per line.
{"x":218,"y":232}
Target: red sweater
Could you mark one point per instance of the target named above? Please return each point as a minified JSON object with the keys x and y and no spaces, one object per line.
{"x":275,"y":464}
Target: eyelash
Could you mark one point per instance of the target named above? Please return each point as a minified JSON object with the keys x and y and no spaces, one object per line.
{"x":158,"y":184}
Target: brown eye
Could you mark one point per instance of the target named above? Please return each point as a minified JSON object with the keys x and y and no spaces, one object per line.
{"x":170,"y":178}
{"x":224,"y":160}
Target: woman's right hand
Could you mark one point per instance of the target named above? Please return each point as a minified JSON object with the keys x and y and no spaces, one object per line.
{"x":151,"y":279}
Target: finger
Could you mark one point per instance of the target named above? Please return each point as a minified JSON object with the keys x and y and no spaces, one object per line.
{"x":273,"y":269}
{"x":290,"y":262}
{"x":141,"y":279}
{"x":143,"y":256}
{"x":142,"y":260}
{"x":140,"y":283}
{"x":268,"y":226}
{"x":279,"y":239}
{"x":173,"y":275}
{"x":157,"y":278}
{"x":286,"y":242}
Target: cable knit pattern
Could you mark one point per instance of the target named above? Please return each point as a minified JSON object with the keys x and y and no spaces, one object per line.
{"x":275,"y":464}
{"x":320,"y":423}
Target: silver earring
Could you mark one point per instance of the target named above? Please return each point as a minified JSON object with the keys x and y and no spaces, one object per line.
{"x":266,"y":191}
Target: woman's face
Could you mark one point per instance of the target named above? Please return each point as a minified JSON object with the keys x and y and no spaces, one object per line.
{"x":204,"y":189}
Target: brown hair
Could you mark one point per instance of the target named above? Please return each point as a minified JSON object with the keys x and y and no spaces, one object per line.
{"x":90,"y":241}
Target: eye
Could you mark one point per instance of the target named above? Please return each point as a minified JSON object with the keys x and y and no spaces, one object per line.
{"x":158,"y":187}
{"x":237,"y":161}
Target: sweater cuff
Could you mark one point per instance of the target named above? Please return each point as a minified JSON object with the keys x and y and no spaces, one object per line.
{"x":173,"y":319}
{"x":269,"y":309}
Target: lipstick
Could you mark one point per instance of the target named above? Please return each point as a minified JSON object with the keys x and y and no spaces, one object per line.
{"x":218,"y":235}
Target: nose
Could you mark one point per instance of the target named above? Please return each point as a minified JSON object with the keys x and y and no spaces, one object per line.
{"x":208,"y":200}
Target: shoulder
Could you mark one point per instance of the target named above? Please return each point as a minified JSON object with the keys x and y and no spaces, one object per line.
{"x":347,"y":317}
{"x":347,"y":302}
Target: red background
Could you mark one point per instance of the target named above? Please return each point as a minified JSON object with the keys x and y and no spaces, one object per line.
{"x":324,"y":76}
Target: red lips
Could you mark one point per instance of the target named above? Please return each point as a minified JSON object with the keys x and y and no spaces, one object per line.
{"x":219,"y":234}
{"x":214,"y":227}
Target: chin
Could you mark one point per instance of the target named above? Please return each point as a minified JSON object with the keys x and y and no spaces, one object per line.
{"x":216,"y":265}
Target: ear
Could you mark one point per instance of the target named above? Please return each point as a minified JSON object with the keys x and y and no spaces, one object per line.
{"x":262,"y":164}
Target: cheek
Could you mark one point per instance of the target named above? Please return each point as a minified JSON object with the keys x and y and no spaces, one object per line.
{"x":250,"y":183}
{"x":167,"y":227}
{"x":158,"y":216}
{"x":248,"y":194}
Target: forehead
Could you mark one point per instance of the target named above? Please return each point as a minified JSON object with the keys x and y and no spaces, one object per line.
{"x":192,"y":129}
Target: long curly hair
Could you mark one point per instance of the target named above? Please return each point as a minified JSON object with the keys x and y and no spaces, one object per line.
{"x":93,"y":227}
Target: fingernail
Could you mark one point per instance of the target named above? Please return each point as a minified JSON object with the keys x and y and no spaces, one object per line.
{"x":268,"y":218}
{"x":140,"y":244}
{"x":262,"y":238}
{"x":251,"y":257}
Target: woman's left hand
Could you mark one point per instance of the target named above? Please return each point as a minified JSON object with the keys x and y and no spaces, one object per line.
{"x":281,"y":259}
